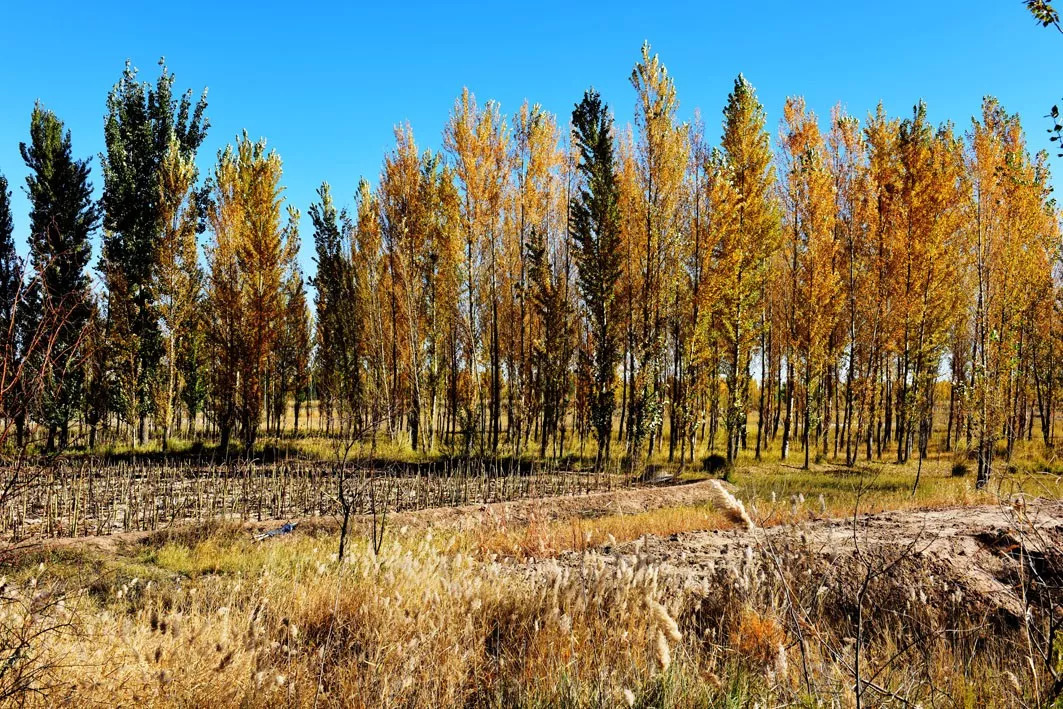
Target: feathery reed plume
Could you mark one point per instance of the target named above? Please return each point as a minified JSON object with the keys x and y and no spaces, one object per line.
{"x":781,"y":662}
{"x":664,"y":653}
{"x":665,"y":623}
{"x":730,"y":504}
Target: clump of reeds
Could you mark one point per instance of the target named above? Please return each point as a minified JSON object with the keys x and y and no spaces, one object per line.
{"x":730,"y":504}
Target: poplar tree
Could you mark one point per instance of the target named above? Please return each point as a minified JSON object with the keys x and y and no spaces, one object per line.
{"x":551,"y":351}
{"x":661,"y":158}
{"x":477,"y":140}
{"x":338,"y":305}
{"x":143,"y":126}
{"x":192,"y":363}
{"x":297,"y":342}
{"x":931,"y":192}
{"x":292,"y":347}
{"x":595,"y":230}
{"x":848,"y":151}
{"x":541,"y":319}
{"x":1012,"y":228}
{"x":63,"y":216}
{"x":810,"y":224}
{"x":178,"y":278}
{"x":745,"y":251}
{"x":12,"y":403}
{"x":405,"y":220}
{"x":10,"y":264}
{"x":251,"y":254}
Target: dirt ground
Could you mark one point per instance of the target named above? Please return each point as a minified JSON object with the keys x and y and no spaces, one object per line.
{"x":981,"y":552}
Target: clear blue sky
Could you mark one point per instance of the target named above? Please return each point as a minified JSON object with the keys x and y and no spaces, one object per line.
{"x":326,"y":82}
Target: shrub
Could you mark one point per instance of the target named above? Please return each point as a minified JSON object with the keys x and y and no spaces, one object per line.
{"x":714,"y":464}
{"x":758,"y":637}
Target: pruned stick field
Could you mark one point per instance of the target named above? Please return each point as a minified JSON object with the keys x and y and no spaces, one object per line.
{"x":86,"y":498}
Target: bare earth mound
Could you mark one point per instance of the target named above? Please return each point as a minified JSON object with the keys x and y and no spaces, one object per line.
{"x":984,"y":554}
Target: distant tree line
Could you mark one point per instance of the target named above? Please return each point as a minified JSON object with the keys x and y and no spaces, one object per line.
{"x":534,"y":289}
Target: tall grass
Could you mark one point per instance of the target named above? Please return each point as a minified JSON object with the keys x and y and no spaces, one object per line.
{"x":225,"y":621}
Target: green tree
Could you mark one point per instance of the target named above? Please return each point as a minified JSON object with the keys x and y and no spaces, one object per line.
{"x":10,"y":264}
{"x":12,"y":398}
{"x":63,"y":216}
{"x":595,"y":229}
{"x":338,"y":305}
{"x":143,"y":125}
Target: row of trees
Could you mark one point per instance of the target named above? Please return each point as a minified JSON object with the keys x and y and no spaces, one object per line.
{"x":629,"y":282}
{"x":165,"y":340}
{"x":531,"y":286}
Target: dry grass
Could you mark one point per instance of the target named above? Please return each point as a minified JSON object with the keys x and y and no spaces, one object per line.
{"x":540,"y":539}
{"x":435,"y":620}
{"x":418,"y":625}
{"x":772,"y":497}
{"x":423,"y":625}
{"x":448,"y":618}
